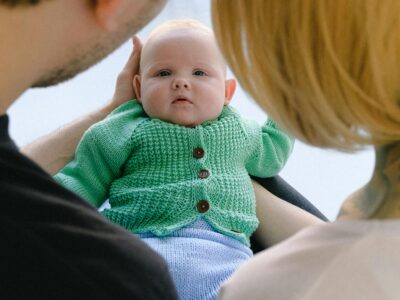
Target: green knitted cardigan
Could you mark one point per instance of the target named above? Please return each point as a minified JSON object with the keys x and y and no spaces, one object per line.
{"x":155,"y":183}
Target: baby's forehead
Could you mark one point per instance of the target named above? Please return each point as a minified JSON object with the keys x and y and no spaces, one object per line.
{"x":182,"y":32}
{"x":190,"y":36}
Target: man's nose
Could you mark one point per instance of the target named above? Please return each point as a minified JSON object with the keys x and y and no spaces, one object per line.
{"x":180,"y":83}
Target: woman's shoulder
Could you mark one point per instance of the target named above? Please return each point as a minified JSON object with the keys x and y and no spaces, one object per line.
{"x":330,"y":261}
{"x":342,"y":236}
{"x":354,"y":228}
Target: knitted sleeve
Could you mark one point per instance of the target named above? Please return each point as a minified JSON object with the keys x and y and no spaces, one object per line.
{"x":100,"y":154}
{"x":271,"y":150}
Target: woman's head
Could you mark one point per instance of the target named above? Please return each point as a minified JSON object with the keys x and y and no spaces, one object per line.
{"x":328,"y":71}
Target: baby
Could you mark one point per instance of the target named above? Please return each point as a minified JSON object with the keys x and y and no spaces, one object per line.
{"x":175,"y":162}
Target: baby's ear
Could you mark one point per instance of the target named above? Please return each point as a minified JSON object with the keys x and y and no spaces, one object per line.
{"x":230,"y":87}
{"x":136,"y":86}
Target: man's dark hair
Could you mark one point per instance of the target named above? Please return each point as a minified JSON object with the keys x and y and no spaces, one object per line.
{"x":13,"y":3}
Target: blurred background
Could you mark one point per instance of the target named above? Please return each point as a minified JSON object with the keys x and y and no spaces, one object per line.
{"x":325,"y":177}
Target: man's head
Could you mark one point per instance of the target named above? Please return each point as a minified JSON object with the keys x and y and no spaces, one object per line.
{"x":182,"y":74}
{"x":13,"y":3}
{"x":133,"y":16}
{"x":57,"y":39}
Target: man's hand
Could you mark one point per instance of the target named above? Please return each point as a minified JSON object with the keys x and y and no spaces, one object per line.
{"x":123,"y":87}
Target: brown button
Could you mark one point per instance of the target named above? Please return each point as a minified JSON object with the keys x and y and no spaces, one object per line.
{"x":198,"y":153}
{"x":203,"y":174}
{"x":203,"y":206}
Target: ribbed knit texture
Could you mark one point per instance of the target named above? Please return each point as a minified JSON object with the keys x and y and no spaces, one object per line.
{"x":147,"y":169}
{"x":199,"y":259}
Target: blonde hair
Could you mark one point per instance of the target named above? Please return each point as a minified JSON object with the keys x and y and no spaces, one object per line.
{"x":328,"y":71}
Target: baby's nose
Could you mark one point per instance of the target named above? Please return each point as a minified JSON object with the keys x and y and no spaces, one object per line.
{"x":181,"y":83}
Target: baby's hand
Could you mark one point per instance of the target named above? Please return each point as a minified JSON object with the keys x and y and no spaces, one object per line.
{"x":123,"y":88}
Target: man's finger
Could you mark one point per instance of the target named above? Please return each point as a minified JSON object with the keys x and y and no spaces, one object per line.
{"x":132,"y":65}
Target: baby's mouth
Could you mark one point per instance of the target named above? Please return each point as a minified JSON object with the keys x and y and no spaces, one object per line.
{"x":181,"y":100}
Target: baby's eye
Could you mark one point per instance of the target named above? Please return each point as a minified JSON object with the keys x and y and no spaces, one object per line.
{"x":199,"y":73}
{"x":164,"y":73}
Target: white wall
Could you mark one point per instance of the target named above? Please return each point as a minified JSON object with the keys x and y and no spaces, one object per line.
{"x":324,"y":177}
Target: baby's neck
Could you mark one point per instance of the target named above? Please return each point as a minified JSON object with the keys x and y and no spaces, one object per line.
{"x":380,"y":197}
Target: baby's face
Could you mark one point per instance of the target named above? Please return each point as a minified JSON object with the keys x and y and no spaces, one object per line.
{"x":182,"y":78}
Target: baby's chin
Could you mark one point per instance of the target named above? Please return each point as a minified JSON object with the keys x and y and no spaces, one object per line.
{"x":187,"y":122}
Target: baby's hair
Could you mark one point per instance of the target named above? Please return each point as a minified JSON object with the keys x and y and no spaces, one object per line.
{"x":326,"y":70}
{"x":180,"y":24}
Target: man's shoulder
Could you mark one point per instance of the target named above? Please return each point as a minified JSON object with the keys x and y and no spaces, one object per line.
{"x":55,"y":245}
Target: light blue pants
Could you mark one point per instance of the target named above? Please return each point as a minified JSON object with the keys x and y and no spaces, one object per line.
{"x":199,"y":258}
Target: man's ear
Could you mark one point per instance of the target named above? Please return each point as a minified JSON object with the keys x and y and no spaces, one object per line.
{"x":136,"y":86}
{"x":108,"y":12}
{"x":230,"y":87}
